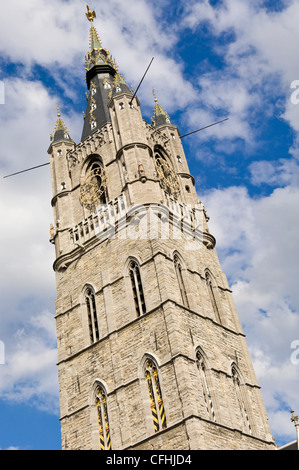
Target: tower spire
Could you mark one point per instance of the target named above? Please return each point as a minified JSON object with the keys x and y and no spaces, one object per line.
{"x":97,"y":55}
{"x":60,"y":131}
{"x":160,"y":117}
{"x":103,"y":81}
{"x":95,"y":42}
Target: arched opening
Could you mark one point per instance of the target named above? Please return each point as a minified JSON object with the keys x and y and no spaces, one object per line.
{"x":202,"y":370}
{"x":137,"y":288}
{"x":240,"y":396}
{"x":103,"y":420}
{"x":178,"y":270}
{"x":93,"y":187}
{"x":93,"y":327}
{"x":155,"y":395}
{"x":166,"y":174}
{"x":211,"y":290}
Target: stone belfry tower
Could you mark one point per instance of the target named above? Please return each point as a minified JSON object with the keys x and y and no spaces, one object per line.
{"x":151,"y":354}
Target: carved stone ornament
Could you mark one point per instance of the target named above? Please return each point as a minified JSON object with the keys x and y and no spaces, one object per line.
{"x":73,"y":159}
{"x":156,"y":136}
{"x":168,"y":178}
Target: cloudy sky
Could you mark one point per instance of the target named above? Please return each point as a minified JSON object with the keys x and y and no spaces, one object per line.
{"x":213,"y":59}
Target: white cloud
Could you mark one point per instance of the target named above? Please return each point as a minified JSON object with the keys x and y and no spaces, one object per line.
{"x":41,"y":32}
{"x":12,"y":448}
{"x":26,"y":121}
{"x":258,"y":63}
{"x":275,"y":173}
{"x":270,"y":36}
{"x":53,"y":33}
{"x":29,"y":373}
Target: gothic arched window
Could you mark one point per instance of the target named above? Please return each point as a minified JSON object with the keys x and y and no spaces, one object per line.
{"x":103,"y":421}
{"x":155,"y":395}
{"x":210,"y":286}
{"x":179,"y":275}
{"x":97,"y":170}
{"x":107,"y":84}
{"x":205,"y":387}
{"x":168,"y":178}
{"x":240,"y":398}
{"x":92,"y":315}
{"x":137,"y":288}
{"x":93,"y":185}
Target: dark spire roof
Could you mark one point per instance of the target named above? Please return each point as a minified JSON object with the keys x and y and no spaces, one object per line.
{"x":160,"y":117}
{"x":103,"y":81}
{"x":60,"y":132}
{"x":97,"y":59}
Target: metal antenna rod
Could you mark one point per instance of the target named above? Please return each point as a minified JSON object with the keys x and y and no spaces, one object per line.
{"x":28,"y":169}
{"x":210,"y":125}
{"x":141,"y":80}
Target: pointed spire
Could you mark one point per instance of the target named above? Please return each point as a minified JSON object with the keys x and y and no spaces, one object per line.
{"x":60,"y":131}
{"x":96,"y":55}
{"x":103,"y":82}
{"x":160,"y":117}
{"x":95,"y":42}
{"x":59,"y":123}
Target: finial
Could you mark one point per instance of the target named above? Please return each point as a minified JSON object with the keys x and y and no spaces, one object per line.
{"x":294,"y":418}
{"x":90,"y":15}
{"x":60,"y":125}
{"x":159,"y":112}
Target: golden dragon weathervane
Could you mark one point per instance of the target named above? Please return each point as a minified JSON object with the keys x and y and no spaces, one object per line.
{"x":90,"y":15}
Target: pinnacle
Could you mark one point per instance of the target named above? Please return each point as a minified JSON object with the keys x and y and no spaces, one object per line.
{"x":60,"y":125}
{"x":60,"y":130}
{"x":95,"y":42}
{"x":160,"y":115}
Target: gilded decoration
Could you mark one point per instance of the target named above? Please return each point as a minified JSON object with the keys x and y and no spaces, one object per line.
{"x":168,"y":178}
{"x":93,"y":187}
{"x":97,"y":55}
{"x":90,"y":15}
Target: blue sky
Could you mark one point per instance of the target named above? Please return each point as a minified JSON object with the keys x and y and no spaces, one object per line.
{"x":210,"y":63}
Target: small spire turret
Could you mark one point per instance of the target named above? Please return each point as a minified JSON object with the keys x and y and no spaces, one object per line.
{"x":60,"y":131}
{"x":160,"y":117}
